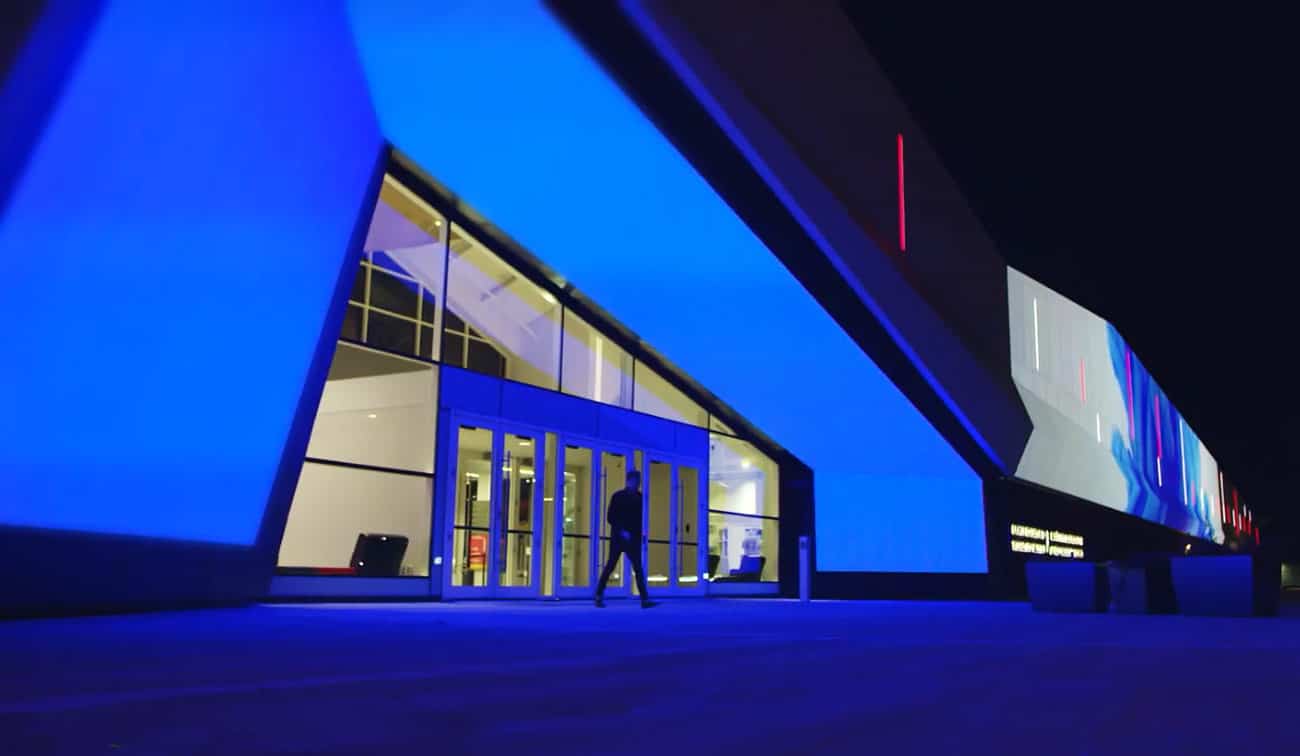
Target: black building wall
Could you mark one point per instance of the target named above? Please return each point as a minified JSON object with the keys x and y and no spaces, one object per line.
{"x":1107,"y":534}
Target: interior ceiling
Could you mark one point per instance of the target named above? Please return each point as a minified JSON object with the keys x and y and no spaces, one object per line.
{"x":357,"y":362}
{"x":390,"y":228}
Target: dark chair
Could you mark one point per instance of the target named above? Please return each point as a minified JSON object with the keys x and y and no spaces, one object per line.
{"x":749,"y":571}
{"x":750,"y":565}
{"x":378,"y":554}
{"x":714,"y":560}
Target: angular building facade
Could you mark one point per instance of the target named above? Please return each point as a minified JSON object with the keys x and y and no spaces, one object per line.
{"x":383,"y":299}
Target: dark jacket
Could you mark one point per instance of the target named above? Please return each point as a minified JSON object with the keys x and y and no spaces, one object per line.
{"x":625,"y":512}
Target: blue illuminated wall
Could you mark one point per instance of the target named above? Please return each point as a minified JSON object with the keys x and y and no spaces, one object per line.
{"x":170,"y":254}
{"x":178,"y":231}
{"x":531,"y":133}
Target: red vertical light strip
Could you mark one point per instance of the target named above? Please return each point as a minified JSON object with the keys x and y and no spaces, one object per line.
{"x":902,"y":200}
{"x":1083,"y":384}
{"x":1128,"y":370}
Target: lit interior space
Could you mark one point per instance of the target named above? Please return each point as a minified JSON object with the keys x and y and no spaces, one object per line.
{"x":497,"y":503}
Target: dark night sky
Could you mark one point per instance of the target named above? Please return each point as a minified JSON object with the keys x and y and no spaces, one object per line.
{"x":1135,"y":164}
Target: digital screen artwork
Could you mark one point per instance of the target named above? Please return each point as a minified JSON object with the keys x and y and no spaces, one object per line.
{"x":1103,"y":428}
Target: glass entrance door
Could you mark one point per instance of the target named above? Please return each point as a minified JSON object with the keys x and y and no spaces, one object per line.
{"x":672,"y":527}
{"x":614,"y":465}
{"x":660,"y":490}
{"x":518,"y":560}
{"x":589,"y":474}
{"x":497,"y":505}
{"x":572,"y":550}
{"x":688,"y":545}
{"x":527,"y":515}
{"x":470,"y":535}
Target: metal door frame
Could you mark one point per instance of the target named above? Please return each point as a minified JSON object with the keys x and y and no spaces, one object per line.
{"x":676,"y":461}
{"x":500,"y":428}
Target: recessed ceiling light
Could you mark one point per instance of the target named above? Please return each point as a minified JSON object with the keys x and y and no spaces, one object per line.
{"x":372,"y":416}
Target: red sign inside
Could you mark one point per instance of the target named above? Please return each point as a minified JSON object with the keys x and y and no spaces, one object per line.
{"x":477,"y":550}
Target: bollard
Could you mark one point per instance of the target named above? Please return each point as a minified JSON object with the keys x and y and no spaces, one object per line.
{"x":805,"y":575}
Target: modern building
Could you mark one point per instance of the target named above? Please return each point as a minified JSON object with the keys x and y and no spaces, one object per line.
{"x":383,"y":298}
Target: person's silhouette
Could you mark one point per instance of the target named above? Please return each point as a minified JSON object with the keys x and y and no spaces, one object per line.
{"x":624,"y":518}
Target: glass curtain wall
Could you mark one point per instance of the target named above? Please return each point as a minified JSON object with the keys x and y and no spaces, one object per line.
{"x":363,"y":505}
{"x":744,"y":506}
{"x":654,"y":395}
{"x":594,"y":366}
{"x":499,"y":322}
{"x":396,"y":294}
{"x":427,"y":292}
{"x":496,"y":321}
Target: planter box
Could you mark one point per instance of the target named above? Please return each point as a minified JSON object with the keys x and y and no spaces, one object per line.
{"x":1227,"y":586}
{"x":1142,"y":585}
{"x":1067,"y":586}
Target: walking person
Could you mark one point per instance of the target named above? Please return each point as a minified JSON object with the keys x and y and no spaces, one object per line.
{"x":624,"y":518}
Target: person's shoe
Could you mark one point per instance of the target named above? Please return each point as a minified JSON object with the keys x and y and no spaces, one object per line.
{"x":648,"y":604}
{"x":600,"y":603}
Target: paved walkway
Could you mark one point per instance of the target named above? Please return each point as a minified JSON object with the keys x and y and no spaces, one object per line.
{"x":720,"y":678}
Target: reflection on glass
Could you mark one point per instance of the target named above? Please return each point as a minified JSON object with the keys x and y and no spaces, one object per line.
{"x":472,"y":524}
{"x":547,"y":515}
{"x":659,"y":500}
{"x":377,"y":409}
{"x":656,"y":396}
{"x":575,"y":545}
{"x":395,"y":293}
{"x":516,"y":515}
{"x":613,"y":477}
{"x":392,"y":333}
{"x":743,"y":548}
{"x":401,"y":278}
{"x":715,"y":424}
{"x":347,"y":521}
{"x":688,"y":527}
{"x":508,"y":326}
{"x":742,"y":479}
{"x":657,"y":563}
{"x":352,"y":320}
{"x":688,"y":575}
{"x":595,"y":367}
{"x":359,"y":283}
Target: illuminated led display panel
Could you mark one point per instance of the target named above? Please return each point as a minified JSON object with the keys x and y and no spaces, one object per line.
{"x":532,"y":134}
{"x":1103,"y":429}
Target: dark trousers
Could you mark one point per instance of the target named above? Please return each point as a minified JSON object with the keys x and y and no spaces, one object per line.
{"x":617,"y":548}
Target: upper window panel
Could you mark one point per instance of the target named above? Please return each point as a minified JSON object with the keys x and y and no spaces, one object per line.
{"x":400,"y":283}
{"x":377,"y":409}
{"x":741,"y":478}
{"x":595,"y":367}
{"x":499,"y":322}
{"x":656,"y":396}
